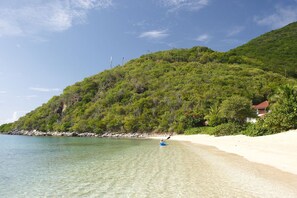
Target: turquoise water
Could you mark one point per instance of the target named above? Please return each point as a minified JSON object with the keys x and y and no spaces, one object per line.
{"x":50,"y":166}
{"x":80,"y":167}
{"x":94,"y":167}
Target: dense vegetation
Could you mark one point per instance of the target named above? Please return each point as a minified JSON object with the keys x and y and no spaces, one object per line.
{"x":283,"y":115}
{"x":277,"y":50}
{"x":156,"y":93}
{"x":193,"y":90}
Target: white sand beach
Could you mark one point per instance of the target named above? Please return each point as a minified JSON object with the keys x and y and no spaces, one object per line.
{"x":278,"y":150}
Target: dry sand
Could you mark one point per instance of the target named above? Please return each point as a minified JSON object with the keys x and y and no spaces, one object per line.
{"x":279,"y":150}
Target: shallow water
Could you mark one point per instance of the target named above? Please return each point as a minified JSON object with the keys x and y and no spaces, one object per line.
{"x":93,"y":167}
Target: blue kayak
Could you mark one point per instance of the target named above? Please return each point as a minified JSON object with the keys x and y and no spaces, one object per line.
{"x":163,"y":144}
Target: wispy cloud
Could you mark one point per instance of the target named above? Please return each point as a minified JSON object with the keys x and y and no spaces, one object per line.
{"x":3,"y":92}
{"x":235,"y":30}
{"x":45,"y":89}
{"x":31,"y":96}
{"x":233,"y":42}
{"x":140,"y":23}
{"x":27,"y":97}
{"x":154,"y":34}
{"x":203,"y":38}
{"x":281,"y":17}
{"x":192,"y":5}
{"x":22,"y":18}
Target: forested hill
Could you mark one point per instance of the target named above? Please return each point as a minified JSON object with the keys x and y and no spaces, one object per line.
{"x":165,"y":91}
{"x":276,"y":49}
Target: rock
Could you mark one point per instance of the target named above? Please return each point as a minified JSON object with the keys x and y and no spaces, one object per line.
{"x":74,"y":134}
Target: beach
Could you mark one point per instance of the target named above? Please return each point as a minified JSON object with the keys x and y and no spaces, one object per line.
{"x":108,"y":167}
{"x":278,"y":150}
{"x":125,"y":167}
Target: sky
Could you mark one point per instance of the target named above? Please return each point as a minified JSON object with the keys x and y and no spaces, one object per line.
{"x":47,"y":45}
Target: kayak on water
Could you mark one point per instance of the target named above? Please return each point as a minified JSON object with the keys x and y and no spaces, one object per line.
{"x":163,"y":143}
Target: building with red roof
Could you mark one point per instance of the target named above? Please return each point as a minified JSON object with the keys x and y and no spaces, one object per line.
{"x":261,"y":108}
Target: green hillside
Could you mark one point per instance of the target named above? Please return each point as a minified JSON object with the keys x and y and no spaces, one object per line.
{"x":276,"y":49}
{"x":179,"y":90}
{"x":164,"y":91}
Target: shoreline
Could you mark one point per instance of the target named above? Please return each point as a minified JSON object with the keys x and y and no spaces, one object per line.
{"x":278,"y":150}
{"x":76,"y":134}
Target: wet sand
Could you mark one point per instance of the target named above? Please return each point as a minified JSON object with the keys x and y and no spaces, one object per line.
{"x":255,"y":179}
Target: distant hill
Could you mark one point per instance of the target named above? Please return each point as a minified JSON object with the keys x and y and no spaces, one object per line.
{"x":277,"y":50}
{"x":169,"y":90}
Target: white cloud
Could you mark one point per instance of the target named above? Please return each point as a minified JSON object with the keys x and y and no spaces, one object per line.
{"x":154,"y":34}
{"x":282,"y":16}
{"x":7,"y":28}
{"x":30,"y":17}
{"x":44,"y":89}
{"x":203,"y":38}
{"x":14,"y":117}
{"x":90,"y":4}
{"x":235,"y":30}
{"x":3,"y":92}
{"x":185,"y":4}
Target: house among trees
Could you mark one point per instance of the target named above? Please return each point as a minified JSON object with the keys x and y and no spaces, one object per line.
{"x":261,"y":108}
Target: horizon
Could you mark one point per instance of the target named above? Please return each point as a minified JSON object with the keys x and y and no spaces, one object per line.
{"x":47,"y":46}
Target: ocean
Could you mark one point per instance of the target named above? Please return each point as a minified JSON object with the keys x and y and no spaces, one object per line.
{"x":99,"y":167}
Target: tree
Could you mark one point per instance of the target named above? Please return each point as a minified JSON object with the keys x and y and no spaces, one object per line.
{"x":236,"y":109}
{"x":213,"y":117}
{"x":283,"y":114}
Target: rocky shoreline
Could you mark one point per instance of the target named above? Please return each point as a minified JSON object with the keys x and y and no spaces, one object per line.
{"x":75,"y":134}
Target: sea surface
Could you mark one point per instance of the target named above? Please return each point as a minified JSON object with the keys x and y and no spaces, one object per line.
{"x":98,"y":167}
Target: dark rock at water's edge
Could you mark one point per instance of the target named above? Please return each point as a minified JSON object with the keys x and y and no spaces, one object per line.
{"x":75,"y":134}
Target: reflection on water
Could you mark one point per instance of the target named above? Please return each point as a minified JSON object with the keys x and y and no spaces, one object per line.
{"x":91,"y":167}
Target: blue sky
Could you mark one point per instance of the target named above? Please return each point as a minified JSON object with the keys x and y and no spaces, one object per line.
{"x":48,"y":45}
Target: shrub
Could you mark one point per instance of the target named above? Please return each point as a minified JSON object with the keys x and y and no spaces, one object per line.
{"x":253,"y":130}
{"x":6,"y":128}
{"x":283,"y":116}
{"x":226,"y":129}
{"x":199,"y":130}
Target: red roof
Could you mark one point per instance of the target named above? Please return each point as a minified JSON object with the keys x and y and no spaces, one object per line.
{"x":262,"y":105}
